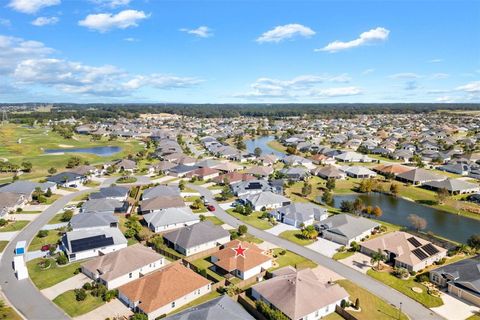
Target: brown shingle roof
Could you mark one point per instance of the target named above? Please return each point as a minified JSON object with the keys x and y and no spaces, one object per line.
{"x":163,"y":286}
{"x":162,"y":202}
{"x":253,"y":257}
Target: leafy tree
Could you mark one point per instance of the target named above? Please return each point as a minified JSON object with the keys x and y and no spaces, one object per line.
{"x":354,"y":246}
{"x":394,"y":189}
{"x":306,"y":189}
{"x":377,"y":258}
{"x":358,"y":205}
{"x":327,"y":198}
{"x":62,"y":259}
{"x":442,"y":195}
{"x":73,"y":162}
{"x":377,"y":212}
{"x":418,"y":223}
{"x":181,"y":185}
{"x":309,"y":232}
{"x":346,"y":206}
{"x":202,"y":217}
{"x":80,"y":294}
{"x":67,"y":215}
{"x":48,"y":193}
{"x":474,"y":241}
{"x":242,"y":229}
{"x":27,"y":166}
{"x":330,"y":184}
{"x":291,"y":150}
{"x":239,"y":209}
{"x":257,"y":151}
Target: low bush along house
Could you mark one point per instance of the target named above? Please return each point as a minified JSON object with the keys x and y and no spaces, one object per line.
{"x":120,"y":267}
{"x":461,"y":278}
{"x":405,"y":250}
{"x":298,"y":213}
{"x":196,"y":238}
{"x":163,"y":291}
{"x":300,"y":294}
{"x":251,"y":262}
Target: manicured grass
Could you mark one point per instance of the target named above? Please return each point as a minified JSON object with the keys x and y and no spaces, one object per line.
{"x":214,"y":220}
{"x":405,"y":287}
{"x":126,"y":179}
{"x":291,"y":259}
{"x":74,"y":308}
{"x":204,"y":263}
{"x":53,"y":198}
{"x":49,"y":277}
{"x":9,"y":313}
{"x":92,"y":184}
{"x":253,"y":219}
{"x":215,"y":187}
{"x":37,"y":243}
{"x":14,"y":226}
{"x":3,"y":244}
{"x":34,"y":140}
{"x":333,"y":316}
{"x":296,"y":237}
{"x":371,"y":306}
{"x":342,"y":255}
{"x":474,"y":317}
{"x":56,"y":219}
{"x":29,"y":212}
{"x":249,"y":238}
{"x":275,"y":145}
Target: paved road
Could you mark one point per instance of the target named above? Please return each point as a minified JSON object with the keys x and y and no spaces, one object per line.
{"x":23,"y":294}
{"x":412,"y":308}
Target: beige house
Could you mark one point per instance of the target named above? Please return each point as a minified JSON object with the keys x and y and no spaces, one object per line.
{"x":405,"y":250}
{"x":164,"y":291}
{"x":123,"y":266}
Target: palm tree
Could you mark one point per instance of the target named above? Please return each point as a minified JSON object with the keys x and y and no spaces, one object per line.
{"x":309,"y":232}
{"x":378,"y":257}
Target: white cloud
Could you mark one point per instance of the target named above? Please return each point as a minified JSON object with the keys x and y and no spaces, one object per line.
{"x":445,"y":99}
{"x":472,"y":87}
{"x":202,"y":31}
{"x":161,"y":81}
{"x":104,"y":22}
{"x":285,"y":32}
{"x":131,"y":39}
{"x":439,"y":76}
{"x":111,"y":3}
{"x":44,"y":21}
{"x":368,"y":71}
{"x":31,"y":6}
{"x":371,"y":36}
{"x":404,"y":75}
{"x":336,"y":92}
{"x":13,"y":50}
{"x":435,"y":60}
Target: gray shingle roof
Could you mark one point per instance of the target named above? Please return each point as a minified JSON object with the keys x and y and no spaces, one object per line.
{"x":86,"y":220}
{"x":194,"y":235}
{"x":110,"y":192}
{"x":170,"y":216}
{"x":465,"y":272}
{"x":161,"y":190}
{"x":347,"y":225}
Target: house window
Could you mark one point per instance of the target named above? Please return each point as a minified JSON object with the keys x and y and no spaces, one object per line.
{"x":130,"y":275}
{"x":173,"y":304}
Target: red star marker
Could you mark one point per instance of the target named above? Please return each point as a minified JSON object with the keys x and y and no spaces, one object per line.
{"x":239,"y":251}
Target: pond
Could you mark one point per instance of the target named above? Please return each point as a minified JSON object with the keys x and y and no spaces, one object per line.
{"x":262,"y":143}
{"x":396,"y":210}
{"x":99,"y":151}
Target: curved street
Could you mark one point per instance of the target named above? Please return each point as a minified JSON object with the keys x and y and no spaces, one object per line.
{"x":412,"y":308}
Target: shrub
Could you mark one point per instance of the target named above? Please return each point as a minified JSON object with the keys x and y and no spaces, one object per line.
{"x":400,"y":273}
{"x":354,"y":246}
{"x":242,"y":229}
{"x":442,"y":261}
{"x":282,"y":253}
{"x":343,"y":303}
{"x":422,"y":278}
{"x":99,"y":290}
{"x":87,"y":286}
{"x":80,"y":294}
{"x":357,"y":303}
{"x":19,"y":210}
{"x":109,"y":295}
{"x":3,"y":222}
{"x":62,"y":259}
{"x":67,"y":215}
{"x":42,"y":233}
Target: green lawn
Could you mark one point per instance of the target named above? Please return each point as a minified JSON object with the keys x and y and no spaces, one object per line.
{"x":74,"y":308}
{"x":291,"y":259}
{"x":405,"y":287}
{"x":204,"y":263}
{"x":56,"y":219}
{"x":9,"y":314}
{"x":372,"y":307}
{"x":126,"y":179}
{"x":53,"y":198}
{"x":55,"y":274}
{"x":14,"y":226}
{"x":3,"y":244}
{"x":253,"y":219}
{"x":214,"y":220}
{"x":474,"y":317}
{"x":275,"y":145}
{"x":51,"y":238}
{"x":342,"y":255}
{"x":296,"y":237}
{"x":30,"y":212}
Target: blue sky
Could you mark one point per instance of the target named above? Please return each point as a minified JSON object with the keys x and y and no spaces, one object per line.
{"x":239,"y":51}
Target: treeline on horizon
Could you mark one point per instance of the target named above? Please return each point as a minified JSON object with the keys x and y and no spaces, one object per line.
{"x":96,"y":111}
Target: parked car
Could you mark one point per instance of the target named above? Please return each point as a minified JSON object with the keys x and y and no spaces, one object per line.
{"x":45,"y":247}
{"x":210,"y":208}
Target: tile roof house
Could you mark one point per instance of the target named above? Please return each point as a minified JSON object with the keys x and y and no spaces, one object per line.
{"x":220,"y":308}
{"x":461,"y":279}
{"x":454,"y":186}
{"x":87,"y":221}
{"x":233,"y":177}
{"x":391,"y":169}
{"x":164,"y":291}
{"x":196,"y":238}
{"x":267,"y":200}
{"x":405,"y":250}
{"x":244,"y":267}
{"x":160,"y":203}
{"x":83,"y":244}
{"x":298,"y":213}
{"x":203,"y":173}
{"x":329,"y":171}
{"x":300,"y":294}
{"x":419,"y":176}
{"x":344,"y":228}
{"x":170,"y":218}
{"x":358,"y":172}
{"x":120,"y":267}
{"x":27,"y":188}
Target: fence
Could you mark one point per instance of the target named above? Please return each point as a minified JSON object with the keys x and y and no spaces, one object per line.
{"x":251,"y":308}
{"x":344,"y":313}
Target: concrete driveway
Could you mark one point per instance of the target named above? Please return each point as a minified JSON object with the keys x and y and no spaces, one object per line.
{"x":113,"y":309}
{"x":325,"y":247}
{"x":7,"y":236}
{"x":24,"y":216}
{"x":454,"y":308}
{"x":74,"y":282}
{"x":358,"y":261}
{"x":279,"y":228}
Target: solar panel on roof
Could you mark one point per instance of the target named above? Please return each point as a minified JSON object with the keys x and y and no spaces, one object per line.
{"x":414,"y":242}
{"x":420,"y":254}
{"x":91,"y":243}
{"x":430,"y":249}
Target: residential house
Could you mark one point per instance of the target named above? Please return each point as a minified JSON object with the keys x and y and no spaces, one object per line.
{"x":123,"y":266}
{"x":220,"y":308}
{"x":299,"y":214}
{"x":453,"y":186}
{"x":391,"y":169}
{"x":203,"y":173}
{"x":260,"y":171}
{"x":293,"y":160}
{"x":461,"y":278}
{"x":251,"y":187}
{"x":358,"y":172}
{"x":170,"y":218}
{"x":181,"y":170}
{"x":160,"y":203}
{"x":161,"y":190}
{"x":351,"y":156}
{"x":345,"y":229}
{"x":27,"y":188}
{"x":122,"y":165}
{"x":328,"y":172}
{"x":84,"y":221}
{"x":300,"y":295}
{"x":295,"y":173}
{"x":110,"y":206}
{"x":419,"y":176}
{"x":164,"y":291}
{"x":267,"y":200}
{"x":10,"y":202}
{"x":114,"y":193}
{"x":196,"y":238}
{"x":253,"y":262}
{"x":233,"y":177}
{"x":405,"y":250}
{"x":83,"y":244}
{"x":67,"y":179}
